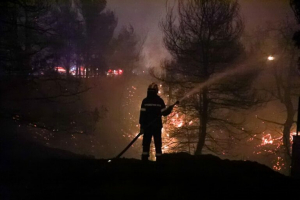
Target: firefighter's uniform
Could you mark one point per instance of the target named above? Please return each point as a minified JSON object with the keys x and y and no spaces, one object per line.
{"x":152,"y":108}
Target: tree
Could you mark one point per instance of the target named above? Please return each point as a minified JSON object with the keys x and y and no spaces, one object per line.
{"x":35,"y":36}
{"x":205,"y":44}
{"x":296,"y":8}
{"x":67,"y":36}
{"x":23,"y":34}
{"x":280,"y":82}
{"x":99,"y":29}
{"x":296,"y":37}
{"x":125,"y":50}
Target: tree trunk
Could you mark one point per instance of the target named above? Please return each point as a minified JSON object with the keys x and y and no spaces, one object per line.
{"x":203,"y":122}
{"x":298,"y":118}
{"x":287,"y":126}
{"x":68,"y":63}
{"x":27,"y":50}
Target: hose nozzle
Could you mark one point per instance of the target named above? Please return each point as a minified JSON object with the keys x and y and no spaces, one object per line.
{"x":177,"y":102}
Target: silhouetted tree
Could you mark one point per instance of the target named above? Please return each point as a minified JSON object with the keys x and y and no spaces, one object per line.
{"x":280,"y":82}
{"x":36,"y":36}
{"x":295,"y":4}
{"x":67,"y":36}
{"x":125,"y":50}
{"x":23,"y":35}
{"x":204,"y":40}
{"x":99,"y":29}
{"x":296,"y":37}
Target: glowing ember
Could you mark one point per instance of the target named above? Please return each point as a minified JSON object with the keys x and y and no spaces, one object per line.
{"x":267,"y":139}
{"x":273,"y":146}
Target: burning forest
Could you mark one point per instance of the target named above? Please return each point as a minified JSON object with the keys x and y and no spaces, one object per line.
{"x":75,"y":76}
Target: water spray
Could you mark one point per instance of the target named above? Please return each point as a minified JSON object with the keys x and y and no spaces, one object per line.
{"x":239,"y":69}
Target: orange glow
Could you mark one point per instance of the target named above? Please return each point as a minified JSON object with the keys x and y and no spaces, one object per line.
{"x":60,"y":69}
{"x":180,"y":124}
{"x":114,"y":72}
{"x":273,"y":146}
{"x":267,"y":139}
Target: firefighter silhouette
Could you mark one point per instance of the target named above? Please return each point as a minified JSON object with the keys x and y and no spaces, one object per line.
{"x":152,"y":109}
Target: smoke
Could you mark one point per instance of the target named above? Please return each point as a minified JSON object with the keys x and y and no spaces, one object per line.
{"x":260,"y":12}
{"x":145,"y":15}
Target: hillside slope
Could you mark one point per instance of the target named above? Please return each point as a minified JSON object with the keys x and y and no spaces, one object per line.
{"x":31,"y":171}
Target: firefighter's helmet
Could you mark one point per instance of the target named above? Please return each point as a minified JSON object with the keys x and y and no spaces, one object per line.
{"x":153,"y":87}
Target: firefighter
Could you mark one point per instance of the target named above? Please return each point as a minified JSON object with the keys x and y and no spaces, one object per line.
{"x":152,"y":108}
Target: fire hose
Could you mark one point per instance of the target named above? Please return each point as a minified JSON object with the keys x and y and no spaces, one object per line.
{"x":139,"y":134}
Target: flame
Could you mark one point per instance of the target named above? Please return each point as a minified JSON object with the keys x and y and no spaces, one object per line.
{"x":274,"y":145}
{"x":176,"y":120}
{"x":180,"y":124}
{"x":267,"y":139}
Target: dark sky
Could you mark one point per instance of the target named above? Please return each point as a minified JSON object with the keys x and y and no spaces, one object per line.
{"x":145,"y":15}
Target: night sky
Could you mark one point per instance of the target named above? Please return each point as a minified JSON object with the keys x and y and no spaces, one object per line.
{"x":145,"y":15}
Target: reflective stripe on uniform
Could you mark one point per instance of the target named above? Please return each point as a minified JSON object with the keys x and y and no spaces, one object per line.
{"x":158,"y":154}
{"x":154,"y":105}
{"x":145,"y":153}
{"x":143,"y":109}
{"x":164,"y":109}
